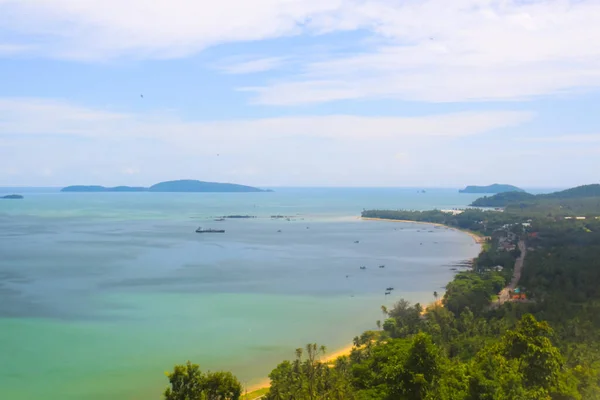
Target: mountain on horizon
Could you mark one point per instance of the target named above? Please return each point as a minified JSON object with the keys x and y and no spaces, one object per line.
{"x":183,"y":185}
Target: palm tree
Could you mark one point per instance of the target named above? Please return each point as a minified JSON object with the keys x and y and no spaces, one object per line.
{"x":311,"y":352}
{"x":384,"y":310}
{"x":378,"y":324}
{"x":323,"y":350}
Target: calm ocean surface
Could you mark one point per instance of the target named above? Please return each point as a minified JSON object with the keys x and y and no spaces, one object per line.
{"x":102,"y":293}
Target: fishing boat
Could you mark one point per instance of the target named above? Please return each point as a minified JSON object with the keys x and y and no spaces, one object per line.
{"x":201,"y":230}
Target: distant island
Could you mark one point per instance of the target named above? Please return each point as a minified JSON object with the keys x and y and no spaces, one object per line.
{"x":12,"y":197}
{"x":495,"y":188}
{"x":577,"y":199}
{"x":184,"y":185}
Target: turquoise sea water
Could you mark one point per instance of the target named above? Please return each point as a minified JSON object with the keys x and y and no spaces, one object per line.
{"x":102,"y":293}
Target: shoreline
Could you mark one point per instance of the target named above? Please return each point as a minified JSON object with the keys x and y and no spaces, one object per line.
{"x":326,"y":358}
{"x":479,"y":239}
{"x":345,"y":351}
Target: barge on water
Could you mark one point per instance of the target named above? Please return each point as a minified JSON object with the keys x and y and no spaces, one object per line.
{"x":201,"y":230}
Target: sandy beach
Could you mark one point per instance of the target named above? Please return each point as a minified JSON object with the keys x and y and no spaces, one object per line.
{"x":328,"y":357}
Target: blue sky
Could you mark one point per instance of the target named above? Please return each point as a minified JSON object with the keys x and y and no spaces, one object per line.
{"x":300,"y":92}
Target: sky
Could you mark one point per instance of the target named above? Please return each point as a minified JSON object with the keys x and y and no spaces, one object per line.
{"x":430,"y":93}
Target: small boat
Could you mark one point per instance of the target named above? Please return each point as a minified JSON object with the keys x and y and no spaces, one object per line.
{"x":200,"y":230}
{"x":389,"y":289}
{"x":363,"y":267}
{"x":356,"y":241}
{"x":382,"y":266}
{"x":220,"y":219}
{"x":279,"y":231}
{"x":386,"y":293}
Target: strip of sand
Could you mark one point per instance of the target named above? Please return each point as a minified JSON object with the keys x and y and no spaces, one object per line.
{"x":345,"y":351}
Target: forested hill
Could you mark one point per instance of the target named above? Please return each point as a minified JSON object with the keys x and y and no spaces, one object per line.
{"x":502,"y":199}
{"x":185,"y":185}
{"x":580,"y":199}
{"x":495,"y":188}
{"x":592,"y":190}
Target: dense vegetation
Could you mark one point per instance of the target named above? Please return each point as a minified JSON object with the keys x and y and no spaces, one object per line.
{"x":187,"y":382}
{"x":502,"y":199}
{"x":474,"y":346}
{"x":592,"y":190}
{"x":495,"y":188}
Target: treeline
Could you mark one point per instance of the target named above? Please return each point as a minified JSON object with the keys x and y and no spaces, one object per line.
{"x":502,"y":199}
{"x":471,"y":347}
{"x":420,"y":367}
{"x":557,"y":208}
{"x":438,"y":356}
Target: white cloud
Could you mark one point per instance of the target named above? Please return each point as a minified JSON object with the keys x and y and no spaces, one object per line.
{"x":80,"y":144}
{"x":424,"y":50}
{"x":36,"y":116}
{"x":252,"y":66}
{"x":97,"y":29}
{"x":460,"y":50}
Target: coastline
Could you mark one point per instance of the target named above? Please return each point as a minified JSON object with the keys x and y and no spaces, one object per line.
{"x":345,"y":351}
{"x":327,"y":358}
{"x":479,"y":239}
{"x":476,"y":237}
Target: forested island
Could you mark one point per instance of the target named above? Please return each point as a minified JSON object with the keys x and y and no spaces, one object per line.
{"x":537,"y":341}
{"x":184,"y":185}
{"x":495,"y":188}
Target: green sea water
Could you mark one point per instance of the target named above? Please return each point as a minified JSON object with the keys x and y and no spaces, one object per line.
{"x":102,"y":293}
